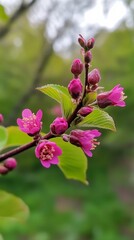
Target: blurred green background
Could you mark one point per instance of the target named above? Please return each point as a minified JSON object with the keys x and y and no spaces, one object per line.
{"x":37,"y":45}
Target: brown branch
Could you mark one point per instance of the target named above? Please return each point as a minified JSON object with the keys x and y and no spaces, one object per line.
{"x":23,"y":8}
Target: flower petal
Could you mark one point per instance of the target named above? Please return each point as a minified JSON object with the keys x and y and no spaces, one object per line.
{"x":45,"y":164}
{"x":26,"y":113}
{"x":39,"y":114}
{"x":54,"y":160}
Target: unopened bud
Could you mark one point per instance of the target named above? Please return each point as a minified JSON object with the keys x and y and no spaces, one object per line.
{"x":84,"y":111}
{"x":77,"y":67}
{"x":75,"y":88}
{"x":1,"y":118}
{"x":3,"y":170}
{"x":59,"y":126}
{"x":82,"y":41}
{"x":94,"y":76}
{"x":88,"y":57}
{"x":90,"y":43}
{"x":10,"y":163}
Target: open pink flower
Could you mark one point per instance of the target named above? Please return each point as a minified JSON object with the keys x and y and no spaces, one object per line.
{"x":30,"y":123}
{"x":115,"y":97}
{"x":85,"y":139}
{"x":48,"y":153}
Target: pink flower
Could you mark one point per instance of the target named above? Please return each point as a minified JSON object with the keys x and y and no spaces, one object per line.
{"x":90,"y":43}
{"x":85,"y":139}
{"x":94,"y":76}
{"x":75,"y":88}
{"x":30,"y":123}
{"x":48,"y":153}
{"x":115,"y":97}
{"x":59,"y":126}
{"x":84,"y":111}
{"x":77,"y":67}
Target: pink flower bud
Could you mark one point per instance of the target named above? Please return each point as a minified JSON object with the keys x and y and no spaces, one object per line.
{"x":10,"y":163}
{"x":1,"y":118}
{"x":88,"y":57}
{"x":59,"y":126}
{"x":77,"y":67}
{"x":48,"y":153}
{"x":84,"y":111}
{"x":30,"y":123}
{"x":90,"y":43}
{"x":85,"y":139}
{"x":94,"y":76}
{"x":115,"y":97}
{"x":82,"y":41}
{"x":3,"y":170}
{"x":75,"y":88}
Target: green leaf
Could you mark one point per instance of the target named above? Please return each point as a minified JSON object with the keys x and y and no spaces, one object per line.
{"x":12,"y":209}
{"x":16,"y":137}
{"x":89,"y":98}
{"x":3,"y":16}
{"x":3,"y":137}
{"x":73,"y":161}
{"x":61,"y":95}
{"x":99,"y":119}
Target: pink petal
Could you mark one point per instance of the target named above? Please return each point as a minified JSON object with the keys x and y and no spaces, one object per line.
{"x":58,"y":150}
{"x":39,"y":114}
{"x":87,"y":152}
{"x":54,"y":160}
{"x":19,"y":122}
{"x":26,"y":113}
{"x":45,"y":164}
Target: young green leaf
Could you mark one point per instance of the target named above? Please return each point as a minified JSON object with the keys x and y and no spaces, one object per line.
{"x":61,"y":95}
{"x":12,"y":209}
{"x":99,"y":119}
{"x":16,"y":137}
{"x":3,"y":137}
{"x":73,"y":162}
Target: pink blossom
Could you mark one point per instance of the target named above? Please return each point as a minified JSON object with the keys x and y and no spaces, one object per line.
{"x":48,"y":153}
{"x":30,"y":123}
{"x":59,"y":126}
{"x":75,"y":88}
{"x":115,"y":97}
{"x":77,"y":67}
{"x":90,"y":43}
{"x":85,"y":139}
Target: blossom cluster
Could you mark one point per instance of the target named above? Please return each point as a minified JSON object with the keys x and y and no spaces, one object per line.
{"x":47,"y":150}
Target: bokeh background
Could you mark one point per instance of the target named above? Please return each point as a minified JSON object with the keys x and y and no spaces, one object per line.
{"x":38,"y":41}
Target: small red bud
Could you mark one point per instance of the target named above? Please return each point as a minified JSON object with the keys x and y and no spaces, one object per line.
{"x":88,"y":57}
{"x":90,"y":43}
{"x":94,"y":76}
{"x":77,"y":67}
{"x":82,"y":41}
{"x":3,"y":170}
{"x":10,"y":163}
{"x":75,"y":88}
{"x":84,"y":111}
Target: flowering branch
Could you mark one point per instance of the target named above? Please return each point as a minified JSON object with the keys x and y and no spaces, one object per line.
{"x":79,"y":100}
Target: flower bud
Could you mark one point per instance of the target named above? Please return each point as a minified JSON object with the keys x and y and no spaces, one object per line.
{"x":94,"y":76}
{"x":75,"y":88}
{"x":77,"y":67}
{"x":84,"y":111}
{"x":88,"y":57}
{"x":10,"y":163}
{"x":59,"y":126}
{"x":1,"y":118}
{"x":82,"y":41}
{"x":90,"y":43}
{"x":3,"y":170}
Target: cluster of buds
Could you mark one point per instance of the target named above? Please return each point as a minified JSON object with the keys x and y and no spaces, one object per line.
{"x":46,"y":150}
{"x":8,"y":165}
